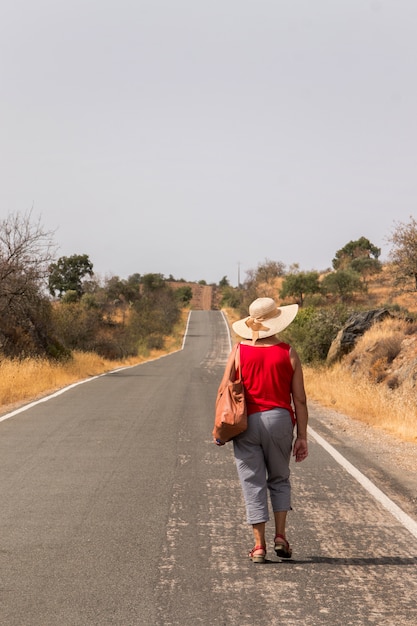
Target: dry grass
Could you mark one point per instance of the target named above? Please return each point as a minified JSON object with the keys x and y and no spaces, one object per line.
{"x":26,"y":380}
{"x":22,"y":381}
{"x":394,"y":411}
{"x":361,"y":386}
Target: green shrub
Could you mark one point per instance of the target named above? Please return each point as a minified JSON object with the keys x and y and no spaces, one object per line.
{"x":184,"y":295}
{"x":231,"y":297}
{"x":313,"y":331}
{"x":155,"y":342}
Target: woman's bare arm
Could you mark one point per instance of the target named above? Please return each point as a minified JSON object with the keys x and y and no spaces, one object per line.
{"x":300,"y":449}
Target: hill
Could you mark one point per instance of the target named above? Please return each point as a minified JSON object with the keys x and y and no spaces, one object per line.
{"x":376,"y":382}
{"x":205,"y":297}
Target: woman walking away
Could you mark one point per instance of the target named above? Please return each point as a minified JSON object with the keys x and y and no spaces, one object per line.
{"x":276,"y":402}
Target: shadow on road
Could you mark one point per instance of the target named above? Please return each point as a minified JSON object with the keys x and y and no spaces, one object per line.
{"x":362,"y":561}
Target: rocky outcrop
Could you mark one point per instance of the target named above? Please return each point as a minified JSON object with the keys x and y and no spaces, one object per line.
{"x":402,"y":372}
{"x":355,"y":327}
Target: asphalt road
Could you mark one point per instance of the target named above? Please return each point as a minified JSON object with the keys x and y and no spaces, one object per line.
{"x":117,"y":509}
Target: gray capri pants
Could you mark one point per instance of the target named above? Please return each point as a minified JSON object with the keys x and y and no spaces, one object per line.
{"x":262,"y":455}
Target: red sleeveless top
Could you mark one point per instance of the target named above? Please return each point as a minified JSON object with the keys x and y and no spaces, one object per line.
{"x":267,"y":375}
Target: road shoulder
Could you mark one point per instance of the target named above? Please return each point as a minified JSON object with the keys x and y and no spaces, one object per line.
{"x":387,"y":461}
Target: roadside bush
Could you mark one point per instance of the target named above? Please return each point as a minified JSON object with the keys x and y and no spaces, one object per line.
{"x":184,"y":295}
{"x":155,"y":342}
{"x":231,"y":297}
{"x":343,"y":284}
{"x":76,"y":326}
{"x":70,"y":297}
{"x":153,"y":317}
{"x":111,"y":346}
{"x":313,"y":331}
{"x":29,"y":331}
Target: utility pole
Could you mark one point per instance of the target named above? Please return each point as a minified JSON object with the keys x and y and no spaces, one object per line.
{"x":238,"y":273}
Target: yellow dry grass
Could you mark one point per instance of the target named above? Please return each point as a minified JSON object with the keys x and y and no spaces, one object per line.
{"x":357,"y":385}
{"x":29,"y":379}
{"x":394,"y":411}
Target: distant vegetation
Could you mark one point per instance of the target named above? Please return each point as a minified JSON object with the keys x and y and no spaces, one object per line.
{"x":358,"y":281}
{"x":51,"y":306}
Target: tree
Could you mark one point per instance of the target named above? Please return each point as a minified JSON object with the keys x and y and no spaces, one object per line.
{"x":299,"y":284}
{"x":26,"y":250}
{"x":153,"y":316}
{"x":153,"y":282}
{"x":260,"y":282}
{"x":366,"y":267}
{"x":67,"y":274}
{"x":403,"y":255}
{"x":184,"y":295}
{"x":119,"y":290}
{"x":231,"y":297}
{"x":269,"y":270}
{"x":343,"y":283}
{"x":361,"y":248}
{"x":25,"y":253}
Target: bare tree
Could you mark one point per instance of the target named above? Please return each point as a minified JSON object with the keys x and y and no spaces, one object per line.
{"x":26,"y":251}
{"x":403,"y":254}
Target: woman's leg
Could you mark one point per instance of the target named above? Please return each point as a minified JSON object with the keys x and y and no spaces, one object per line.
{"x":281,"y":545}
{"x":280,"y":521}
{"x":251,"y":470}
{"x":258,"y":553}
{"x":279,"y":445}
{"x":259,"y":534}
{"x":277,"y":437}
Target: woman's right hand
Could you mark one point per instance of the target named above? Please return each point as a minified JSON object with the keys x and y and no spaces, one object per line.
{"x":300,"y":449}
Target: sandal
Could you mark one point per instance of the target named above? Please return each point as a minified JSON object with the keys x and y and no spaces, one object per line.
{"x":282,"y":547}
{"x":257,"y":554}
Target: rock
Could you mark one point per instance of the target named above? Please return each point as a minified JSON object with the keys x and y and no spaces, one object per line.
{"x":403,"y":370}
{"x":355,"y":327}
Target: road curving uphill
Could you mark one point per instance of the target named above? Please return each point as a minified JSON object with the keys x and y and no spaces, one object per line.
{"x":203,"y":298}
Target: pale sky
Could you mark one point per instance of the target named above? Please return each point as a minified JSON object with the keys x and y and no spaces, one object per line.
{"x":187,"y":137}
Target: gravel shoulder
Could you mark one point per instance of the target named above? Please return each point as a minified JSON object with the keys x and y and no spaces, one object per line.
{"x":389,"y":462}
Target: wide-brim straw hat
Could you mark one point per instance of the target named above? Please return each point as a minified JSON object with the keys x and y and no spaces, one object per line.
{"x":265,"y":319}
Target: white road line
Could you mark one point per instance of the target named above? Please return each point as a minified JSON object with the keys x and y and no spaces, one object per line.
{"x":87,"y":380}
{"x":46,"y":398}
{"x":186,"y":330}
{"x":395,"y":510}
{"x":228,"y":330}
